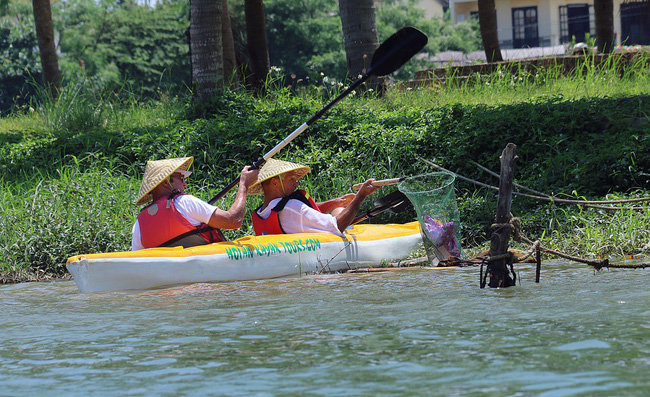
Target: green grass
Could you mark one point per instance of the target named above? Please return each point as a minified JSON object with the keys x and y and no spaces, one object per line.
{"x":71,"y":169}
{"x":512,"y":84}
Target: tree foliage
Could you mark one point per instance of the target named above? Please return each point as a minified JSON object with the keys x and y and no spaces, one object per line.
{"x":123,"y":45}
{"x":144,"y":47}
{"x":18,"y":61}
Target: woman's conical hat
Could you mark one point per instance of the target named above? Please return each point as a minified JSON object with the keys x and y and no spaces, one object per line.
{"x":157,"y":171}
{"x":273,"y":168}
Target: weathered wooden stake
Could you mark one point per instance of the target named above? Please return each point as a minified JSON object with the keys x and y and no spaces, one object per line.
{"x":538,"y":258}
{"x":497,"y":270}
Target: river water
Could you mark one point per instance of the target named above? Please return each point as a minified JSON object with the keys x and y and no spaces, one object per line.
{"x":408,"y":332}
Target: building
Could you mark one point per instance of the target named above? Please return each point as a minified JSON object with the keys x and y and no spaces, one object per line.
{"x":547,"y":23}
{"x":433,"y":8}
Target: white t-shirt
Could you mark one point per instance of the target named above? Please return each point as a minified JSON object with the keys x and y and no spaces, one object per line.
{"x":298,"y":217}
{"x":195,"y":210}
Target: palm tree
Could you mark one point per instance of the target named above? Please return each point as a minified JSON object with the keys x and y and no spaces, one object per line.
{"x":229,"y":59}
{"x":206,"y":48}
{"x":46,"y":46}
{"x":258,"y":51}
{"x":488,"y":23}
{"x":604,"y":15}
{"x":360,"y":35}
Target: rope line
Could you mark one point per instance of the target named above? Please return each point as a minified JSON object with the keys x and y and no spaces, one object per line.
{"x":515,"y":224}
{"x":549,"y":198}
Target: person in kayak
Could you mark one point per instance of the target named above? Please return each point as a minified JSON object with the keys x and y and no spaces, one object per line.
{"x":178,"y":219}
{"x":288,"y":210}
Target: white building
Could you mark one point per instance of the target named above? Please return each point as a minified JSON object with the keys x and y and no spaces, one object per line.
{"x":546,"y":23}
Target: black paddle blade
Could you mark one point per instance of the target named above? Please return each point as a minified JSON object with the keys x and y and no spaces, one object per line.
{"x":391,"y":199}
{"x":396,"y":50}
{"x":399,"y":207}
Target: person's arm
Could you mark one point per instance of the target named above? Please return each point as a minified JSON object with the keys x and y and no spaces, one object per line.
{"x":345,"y":217}
{"x":233,"y":218}
{"x":136,"y":240}
{"x":329,"y":205}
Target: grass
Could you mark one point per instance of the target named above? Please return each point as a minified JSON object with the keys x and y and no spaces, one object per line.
{"x":513,"y":83}
{"x":71,"y":169}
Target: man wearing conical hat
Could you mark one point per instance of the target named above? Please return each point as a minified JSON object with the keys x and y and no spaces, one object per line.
{"x":288,"y":210}
{"x":174,"y":218}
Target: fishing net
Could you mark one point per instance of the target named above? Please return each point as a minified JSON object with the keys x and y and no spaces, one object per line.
{"x":434,"y":199}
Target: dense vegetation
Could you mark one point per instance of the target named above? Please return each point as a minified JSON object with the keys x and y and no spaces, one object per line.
{"x":70,"y":170}
{"x":129,"y":47}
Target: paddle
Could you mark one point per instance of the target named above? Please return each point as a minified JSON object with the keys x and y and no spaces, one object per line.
{"x":395,"y":202}
{"x":391,"y":54}
{"x":383,"y":182}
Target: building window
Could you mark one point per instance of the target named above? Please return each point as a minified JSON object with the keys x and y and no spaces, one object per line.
{"x":635,"y":28}
{"x":524,"y":27}
{"x":576,"y":21}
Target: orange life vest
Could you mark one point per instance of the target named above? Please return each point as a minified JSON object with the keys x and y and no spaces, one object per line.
{"x":271,"y":225}
{"x":162,"y":225}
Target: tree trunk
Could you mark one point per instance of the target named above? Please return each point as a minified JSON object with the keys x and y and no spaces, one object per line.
{"x":229,"y":60}
{"x":488,"y":23}
{"x":604,"y":15}
{"x":360,"y":36}
{"x":46,"y":46}
{"x":258,"y":51}
{"x":206,"y":48}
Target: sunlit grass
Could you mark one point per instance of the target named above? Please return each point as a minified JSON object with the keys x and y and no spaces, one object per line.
{"x":601,"y":233}
{"x":48,"y":218}
{"x":514,"y":84}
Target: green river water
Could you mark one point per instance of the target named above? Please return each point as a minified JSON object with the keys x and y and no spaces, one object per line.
{"x":401,"y":333}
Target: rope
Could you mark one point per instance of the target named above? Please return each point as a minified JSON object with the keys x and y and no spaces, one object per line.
{"x":548,"y":198}
{"x":515,"y":223}
{"x":518,"y":236}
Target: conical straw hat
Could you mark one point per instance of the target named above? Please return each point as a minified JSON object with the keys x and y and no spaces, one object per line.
{"x":157,"y":171}
{"x":274,"y":168}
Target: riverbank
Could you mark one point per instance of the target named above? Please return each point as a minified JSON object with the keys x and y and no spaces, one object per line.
{"x":70,"y":170}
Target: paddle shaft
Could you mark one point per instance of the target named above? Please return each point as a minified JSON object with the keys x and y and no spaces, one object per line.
{"x":293,"y":135}
{"x":383,"y":182}
{"x":395,"y":54}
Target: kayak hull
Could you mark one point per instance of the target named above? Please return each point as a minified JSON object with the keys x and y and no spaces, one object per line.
{"x":248,"y":258}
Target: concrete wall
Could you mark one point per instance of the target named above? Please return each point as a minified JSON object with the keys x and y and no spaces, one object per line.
{"x":432,"y":8}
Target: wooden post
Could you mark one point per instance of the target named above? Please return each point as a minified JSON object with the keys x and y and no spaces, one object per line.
{"x":497,"y":270}
{"x":538,"y":257}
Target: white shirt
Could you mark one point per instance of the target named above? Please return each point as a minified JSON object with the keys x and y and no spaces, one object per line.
{"x":195,"y":210}
{"x":298,"y":217}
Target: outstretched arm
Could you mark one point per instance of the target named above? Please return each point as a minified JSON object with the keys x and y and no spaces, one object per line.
{"x":329,"y":205}
{"x":233,"y":218}
{"x":345,"y":217}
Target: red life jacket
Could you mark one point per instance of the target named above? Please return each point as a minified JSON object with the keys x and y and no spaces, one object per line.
{"x":162,"y":225}
{"x":271,"y":225}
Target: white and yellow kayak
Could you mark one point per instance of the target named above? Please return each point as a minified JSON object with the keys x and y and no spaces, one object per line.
{"x":248,"y":258}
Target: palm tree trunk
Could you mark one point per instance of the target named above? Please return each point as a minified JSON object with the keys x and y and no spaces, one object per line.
{"x":258,"y":52}
{"x":358,"y":20}
{"x":206,"y":48}
{"x":46,"y":46}
{"x":229,"y":59}
{"x":488,"y":23}
{"x":604,"y":15}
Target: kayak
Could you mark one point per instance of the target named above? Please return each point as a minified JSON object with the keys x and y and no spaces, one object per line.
{"x":247,"y":258}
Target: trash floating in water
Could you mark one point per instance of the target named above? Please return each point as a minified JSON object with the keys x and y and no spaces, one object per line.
{"x":442,"y":236}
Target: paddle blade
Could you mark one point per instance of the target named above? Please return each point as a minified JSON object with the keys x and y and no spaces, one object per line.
{"x":391,"y":199}
{"x":396,"y":50}
{"x":400,"y":207}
